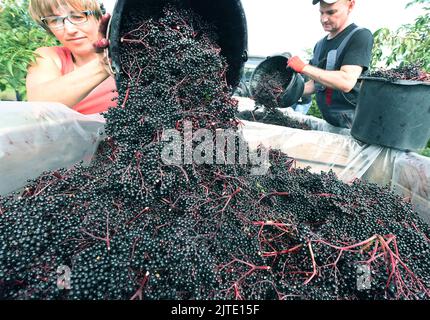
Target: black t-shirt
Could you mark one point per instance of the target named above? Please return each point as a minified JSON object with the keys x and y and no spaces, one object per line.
{"x":337,"y":107}
{"x":358,"y":51}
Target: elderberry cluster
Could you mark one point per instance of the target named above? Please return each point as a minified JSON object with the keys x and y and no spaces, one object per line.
{"x":270,"y":87}
{"x":411,"y":71}
{"x":274,"y":117}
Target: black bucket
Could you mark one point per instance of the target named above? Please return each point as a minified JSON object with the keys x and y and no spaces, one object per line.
{"x":227,"y":16}
{"x":393,"y":114}
{"x":293,"y":85}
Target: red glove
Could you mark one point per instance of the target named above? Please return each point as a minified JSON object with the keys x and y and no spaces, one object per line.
{"x":296,"y":64}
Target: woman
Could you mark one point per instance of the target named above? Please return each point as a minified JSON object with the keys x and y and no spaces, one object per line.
{"x":74,"y":74}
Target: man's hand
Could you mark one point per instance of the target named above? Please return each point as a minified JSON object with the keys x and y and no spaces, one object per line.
{"x":296,"y":64}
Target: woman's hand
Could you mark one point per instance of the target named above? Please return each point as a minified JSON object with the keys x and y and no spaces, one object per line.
{"x":101,"y":46}
{"x":103,"y":42}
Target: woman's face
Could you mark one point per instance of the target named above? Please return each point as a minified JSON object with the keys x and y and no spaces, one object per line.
{"x":78,"y":38}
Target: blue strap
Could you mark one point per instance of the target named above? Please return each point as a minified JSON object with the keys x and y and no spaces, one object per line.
{"x":333,"y":55}
{"x":318,"y":51}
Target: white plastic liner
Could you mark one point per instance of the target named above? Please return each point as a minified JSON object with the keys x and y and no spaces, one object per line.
{"x":37,"y":137}
{"x":326,"y":147}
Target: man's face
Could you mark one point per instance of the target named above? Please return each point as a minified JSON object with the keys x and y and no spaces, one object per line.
{"x":334,"y":16}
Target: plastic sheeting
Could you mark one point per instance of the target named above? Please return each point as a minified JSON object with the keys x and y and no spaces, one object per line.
{"x":316,"y":123}
{"x":326,"y":148}
{"x":411,"y":179}
{"x":247,"y":104}
{"x":323,"y":148}
{"x":38,"y":137}
{"x":321,"y":151}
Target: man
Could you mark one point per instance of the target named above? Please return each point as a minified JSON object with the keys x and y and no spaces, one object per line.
{"x":339,"y":60}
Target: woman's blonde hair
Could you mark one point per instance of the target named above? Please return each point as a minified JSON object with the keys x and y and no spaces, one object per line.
{"x":43,"y":8}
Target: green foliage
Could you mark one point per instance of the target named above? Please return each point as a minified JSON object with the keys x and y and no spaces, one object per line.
{"x":19,"y":37}
{"x":426,"y":152}
{"x":314,"y":110}
{"x":409,"y":44}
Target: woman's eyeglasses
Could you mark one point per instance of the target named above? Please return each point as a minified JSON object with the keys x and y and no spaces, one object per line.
{"x":57,"y":22}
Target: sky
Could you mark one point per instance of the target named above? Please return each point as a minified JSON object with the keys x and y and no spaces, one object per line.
{"x":276,"y":26}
